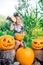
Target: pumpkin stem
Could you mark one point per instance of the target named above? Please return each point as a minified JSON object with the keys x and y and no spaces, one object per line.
{"x":24,"y":45}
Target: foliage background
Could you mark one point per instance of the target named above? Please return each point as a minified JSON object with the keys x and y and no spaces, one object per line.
{"x":5,"y":26}
{"x":32,"y":22}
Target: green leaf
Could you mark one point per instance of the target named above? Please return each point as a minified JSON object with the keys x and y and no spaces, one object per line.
{"x":1,"y":33}
{"x":8,"y":32}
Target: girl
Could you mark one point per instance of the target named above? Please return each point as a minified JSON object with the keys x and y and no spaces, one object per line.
{"x":18,"y":28}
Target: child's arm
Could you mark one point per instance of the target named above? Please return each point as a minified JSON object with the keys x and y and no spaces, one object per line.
{"x":11,"y":27}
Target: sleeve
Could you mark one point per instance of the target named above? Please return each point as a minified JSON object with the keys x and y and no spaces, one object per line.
{"x":13,"y":24}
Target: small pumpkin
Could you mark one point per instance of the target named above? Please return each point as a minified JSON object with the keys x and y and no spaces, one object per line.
{"x":36,"y":44}
{"x":18,"y":36}
{"x":25,"y":56}
{"x":7,"y":42}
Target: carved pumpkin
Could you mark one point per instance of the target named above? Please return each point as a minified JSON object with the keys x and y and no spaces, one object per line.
{"x":7,"y":42}
{"x":18,"y":36}
{"x":25,"y":56}
{"x":36,"y":44}
{"x":41,"y":38}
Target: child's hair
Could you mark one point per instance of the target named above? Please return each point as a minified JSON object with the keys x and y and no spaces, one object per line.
{"x":19,"y":17}
{"x":16,"y":15}
{"x":8,"y":18}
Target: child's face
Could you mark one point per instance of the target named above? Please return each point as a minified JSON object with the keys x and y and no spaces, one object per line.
{"x":18,"y":20}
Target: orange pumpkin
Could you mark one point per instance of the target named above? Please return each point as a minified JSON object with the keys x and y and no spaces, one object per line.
{"x":36,"y":44}
{"x":41,"y":38}
{"x":18,"y":36}
{"x":7,"y":42}
{"x":25,"y":56}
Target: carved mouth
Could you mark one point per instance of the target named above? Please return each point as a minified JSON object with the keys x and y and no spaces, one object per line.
{"x":36,"y":46}
{"x":7,"y":45}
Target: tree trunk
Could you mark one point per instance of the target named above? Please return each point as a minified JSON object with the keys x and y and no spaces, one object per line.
{"x":7,"y":57}
{"x":39,"y":56}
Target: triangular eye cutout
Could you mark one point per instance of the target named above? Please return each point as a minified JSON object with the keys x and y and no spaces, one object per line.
{"x":35,"y":42}
{"x":41,"y":42}
{"x":4,"y":39}
{"x":8,"y":41}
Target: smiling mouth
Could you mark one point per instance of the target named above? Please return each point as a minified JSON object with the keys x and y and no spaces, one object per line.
{"x":7,"y":45}
{"x":36,"y":47}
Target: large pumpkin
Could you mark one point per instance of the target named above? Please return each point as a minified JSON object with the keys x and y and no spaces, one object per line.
{"x":36,"y":44}
{"x":25,"y":56}
{"x":7,"y":42}
{"x":18,"y":36}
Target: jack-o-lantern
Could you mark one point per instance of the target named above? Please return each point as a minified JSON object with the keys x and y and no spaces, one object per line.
{"x":36,"y":44}
{"x":25,"y":56}
{"x":41,"y":39}
{"x":19,"y":37}
{"x":7,"y":42}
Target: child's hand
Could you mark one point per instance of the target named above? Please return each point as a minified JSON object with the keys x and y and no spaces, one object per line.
{"x":11,"y":27}
{"x":23,"y":34}
{"x":22,"y":43}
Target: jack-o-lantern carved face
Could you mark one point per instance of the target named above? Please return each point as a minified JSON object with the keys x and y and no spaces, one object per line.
{"x":37,"y":44}
{"x":41,"y":38}
{"x":7,"y":42}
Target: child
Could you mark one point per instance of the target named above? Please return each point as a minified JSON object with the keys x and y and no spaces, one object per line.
{"x":18,"y":28}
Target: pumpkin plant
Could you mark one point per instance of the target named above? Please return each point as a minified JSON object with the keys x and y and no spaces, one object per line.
{"x":25,"y":56}
{"x":7,"y":42}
